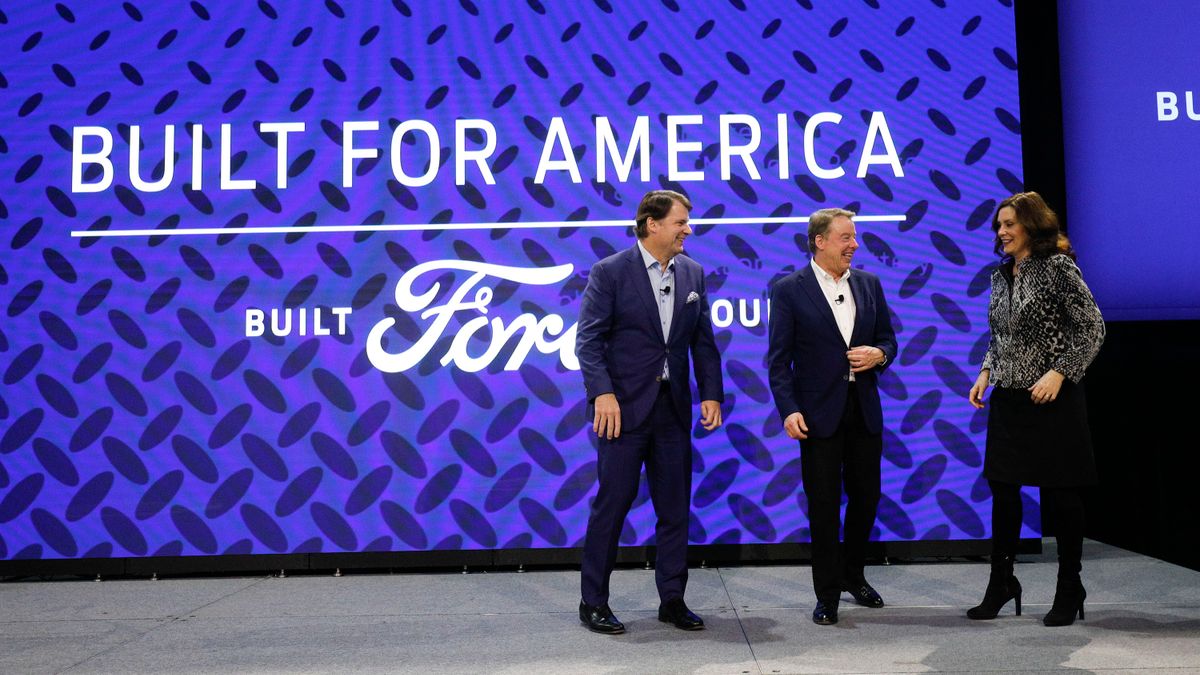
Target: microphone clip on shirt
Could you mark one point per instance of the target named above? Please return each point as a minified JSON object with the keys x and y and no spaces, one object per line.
{"x":840,"y":299}
{"x":665,"y":290}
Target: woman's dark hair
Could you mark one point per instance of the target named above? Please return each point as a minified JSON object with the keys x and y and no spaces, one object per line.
{"x":657,"y":204}
{"x":1040,"y":223}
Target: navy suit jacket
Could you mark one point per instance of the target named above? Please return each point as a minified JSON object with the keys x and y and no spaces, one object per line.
{"x":620,"y":342}
{"x":806,"y":360}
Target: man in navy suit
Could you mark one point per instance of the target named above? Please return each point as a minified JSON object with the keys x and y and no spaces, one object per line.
{"x":643,"y":310}
{"x":830,"y":337}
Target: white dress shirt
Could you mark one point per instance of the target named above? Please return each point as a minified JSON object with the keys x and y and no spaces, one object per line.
{"x":841,"y":301}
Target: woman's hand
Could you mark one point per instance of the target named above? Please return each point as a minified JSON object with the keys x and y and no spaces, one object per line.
{"x":1046,"y":389}
{"x":978,"y":389}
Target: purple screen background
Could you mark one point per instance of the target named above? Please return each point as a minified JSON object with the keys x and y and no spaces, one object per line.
{"x":139,"y":419}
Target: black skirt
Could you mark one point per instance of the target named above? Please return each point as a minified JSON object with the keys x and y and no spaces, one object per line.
{"x":1047,"y":445}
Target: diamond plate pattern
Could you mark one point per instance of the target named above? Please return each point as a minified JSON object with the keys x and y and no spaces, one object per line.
{"x":138,"y":420}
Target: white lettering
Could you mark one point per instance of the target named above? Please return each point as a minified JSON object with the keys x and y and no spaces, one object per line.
{"x":748,"y":321}
{"x":878,"y":128}
{"x":197,"y":156}
{"x":278,"y":330}
{"x":739,"y":137}
{"x":254,"y":323}
{"x":351,"y":153}
{"x":435,"y":155}
{"x":227,"y":182}
{"x":675,"y":146}
{"x":1167,"y":110}
{"x":281,"y":130}
{"x":547,"y":333}
{"x":135,"y":159}
{"x":341,"y":313}
{"x":728,"y":150}
{"x":556,"y":135}
{"x":281,"y":321}
{"x":79,"y":158}
{"x":810,"y":153}
{"x":1191,"y":109}
{"x":477,"y":156}
{"x":784,"y":160}
{"x":606,"y":144}
{"x":722,"y":313}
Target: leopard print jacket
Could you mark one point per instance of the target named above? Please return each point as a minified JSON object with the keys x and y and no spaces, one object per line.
{"x":1045,"y":318}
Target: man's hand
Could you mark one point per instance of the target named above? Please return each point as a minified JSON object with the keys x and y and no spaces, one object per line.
{"x":710,"y":414}
{"x":795,"y":426}
{"x":864,"y":358}
{"x":608,"y":417}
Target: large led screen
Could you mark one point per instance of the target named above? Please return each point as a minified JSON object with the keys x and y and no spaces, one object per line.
{"x":1131,"y":127}
{"x":300,"y":277}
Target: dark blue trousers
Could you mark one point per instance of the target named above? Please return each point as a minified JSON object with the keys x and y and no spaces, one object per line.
{"x":849,"y":460}
{"x":664,"y":444}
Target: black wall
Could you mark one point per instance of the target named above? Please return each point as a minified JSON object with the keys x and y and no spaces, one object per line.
{"x":1144,"y":388}
{"x":1142,"y":403}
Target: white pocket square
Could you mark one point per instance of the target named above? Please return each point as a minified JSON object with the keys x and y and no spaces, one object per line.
{"x":692,"y":297}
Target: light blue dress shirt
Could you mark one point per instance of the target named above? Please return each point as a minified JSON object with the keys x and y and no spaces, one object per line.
{"x":662,"y":284}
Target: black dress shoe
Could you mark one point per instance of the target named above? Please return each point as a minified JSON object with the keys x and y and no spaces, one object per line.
{"x":825,"y":614}
{"x":676,"y":613}
{"x":600,"y":619}
{"x":863,"y":593}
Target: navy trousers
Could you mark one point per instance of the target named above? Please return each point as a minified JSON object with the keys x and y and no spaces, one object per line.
{"x":663,"y":444}
{"x":847,"y":460}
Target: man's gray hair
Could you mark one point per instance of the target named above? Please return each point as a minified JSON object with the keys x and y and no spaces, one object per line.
{"x":819,"y":222}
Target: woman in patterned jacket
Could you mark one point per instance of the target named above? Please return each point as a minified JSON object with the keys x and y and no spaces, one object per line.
{"x":1046,"y":329}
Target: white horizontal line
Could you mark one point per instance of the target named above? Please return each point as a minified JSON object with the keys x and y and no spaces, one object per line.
{"x":419,"y":227}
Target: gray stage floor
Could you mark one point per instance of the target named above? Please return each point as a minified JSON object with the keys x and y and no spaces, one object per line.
{"x":1143,"y":615}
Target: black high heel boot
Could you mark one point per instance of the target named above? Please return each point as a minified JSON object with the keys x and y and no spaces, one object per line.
{"x":1069,"y":593}
{"x":1002,"y":587}
{"x":1068,"y":601}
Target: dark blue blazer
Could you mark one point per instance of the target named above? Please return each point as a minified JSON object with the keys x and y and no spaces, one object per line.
{"x":620,"y":342}
{"x":806,"y":359}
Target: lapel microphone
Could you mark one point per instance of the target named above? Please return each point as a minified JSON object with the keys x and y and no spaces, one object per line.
{"x":839,"y":299}
{"x":665,"y":290}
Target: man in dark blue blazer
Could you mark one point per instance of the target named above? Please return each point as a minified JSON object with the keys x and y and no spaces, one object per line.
{"x":643,"y":311}
{"x":830,"y":336}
